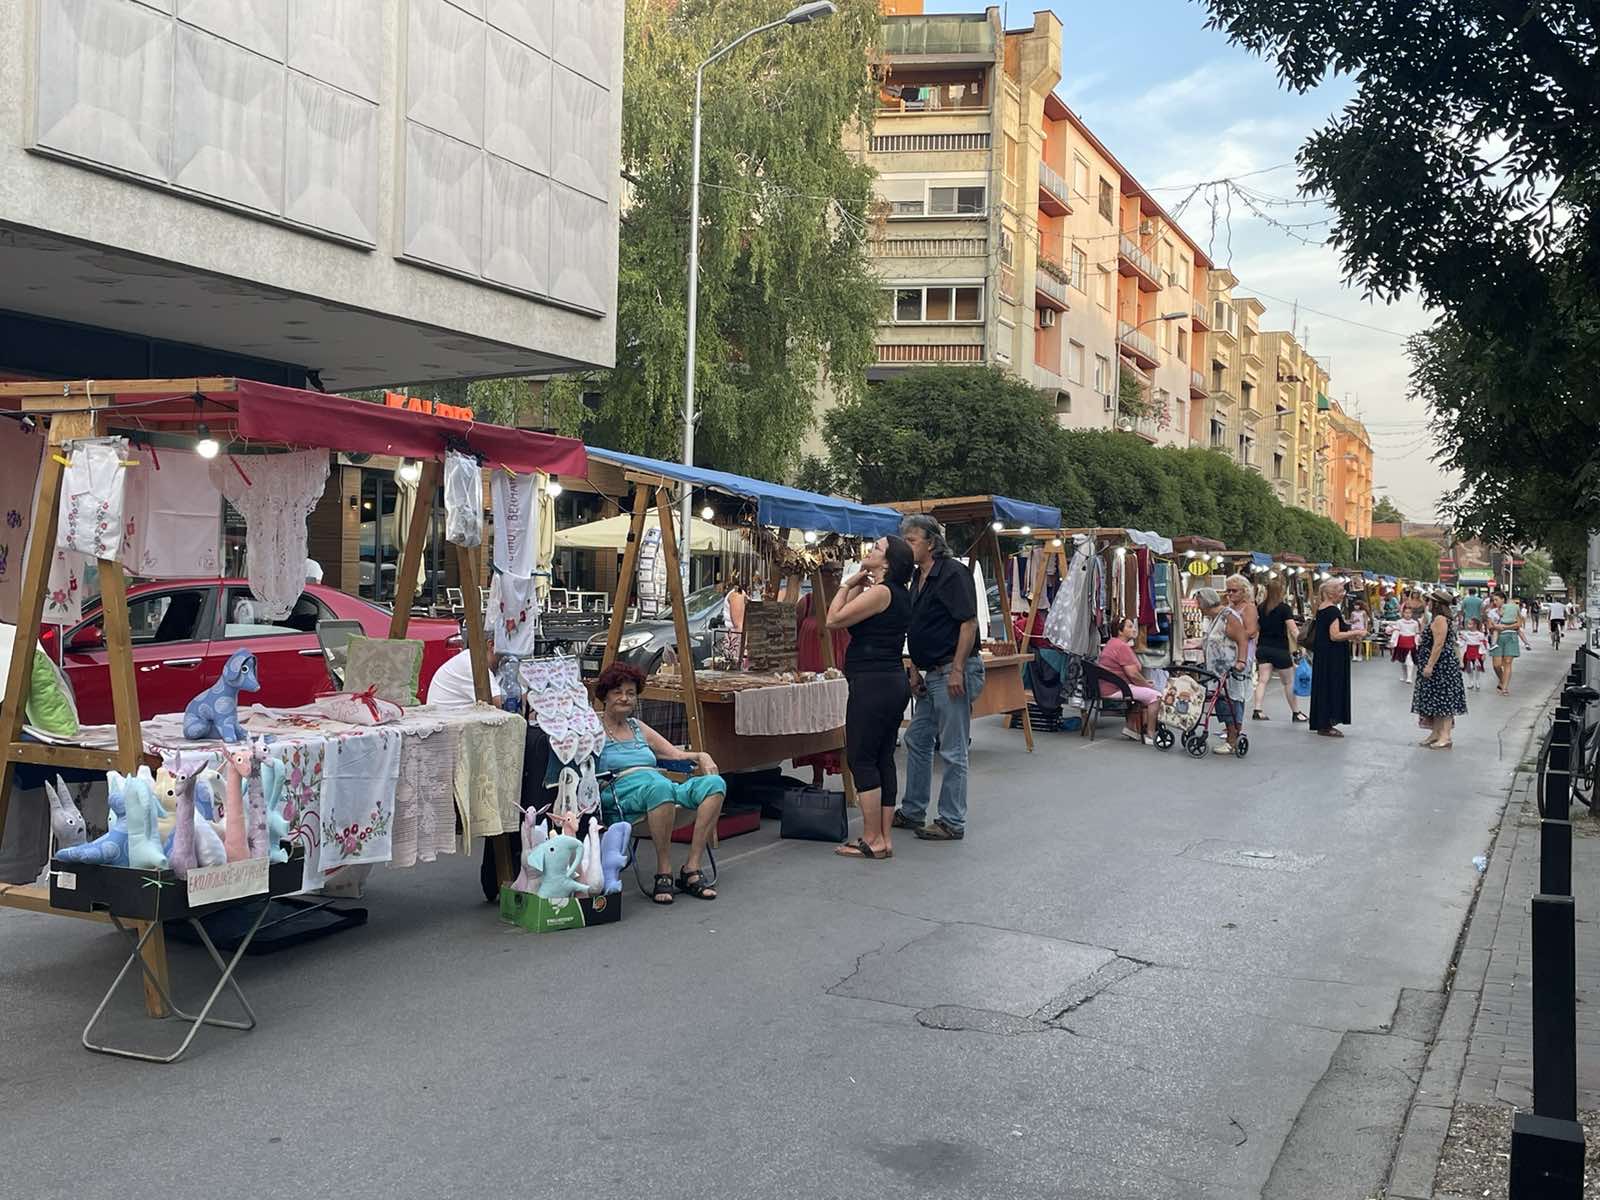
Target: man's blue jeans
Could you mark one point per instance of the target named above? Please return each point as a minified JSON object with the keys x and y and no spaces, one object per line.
{"x":938,"y":715}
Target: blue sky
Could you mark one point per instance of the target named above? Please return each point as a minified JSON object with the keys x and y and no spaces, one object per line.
{"x":1178,"y":105}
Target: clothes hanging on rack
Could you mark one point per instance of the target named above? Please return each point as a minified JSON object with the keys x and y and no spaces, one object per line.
{"x":22,"y":450}
{"x":514,"y":613}
{"x":275,"y":501}
{"x":516,"y":531}
{"x":463,"y":500}
{"x":94,"y":497}
{"x":1071,"y":624}
{"x":63,"y":594}
{"x":1146,"y":585}
{"x":174,"y":519}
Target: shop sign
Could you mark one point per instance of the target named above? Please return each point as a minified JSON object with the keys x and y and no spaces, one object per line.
{"x":428,"y":408}
{"x":230,"y":881}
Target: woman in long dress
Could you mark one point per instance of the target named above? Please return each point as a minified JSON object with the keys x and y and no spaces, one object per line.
{"x":1330,"y":663}
{"x":1440,"y":696}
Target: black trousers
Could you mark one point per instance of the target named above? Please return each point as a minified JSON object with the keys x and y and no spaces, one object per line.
{"x":877,"y":703}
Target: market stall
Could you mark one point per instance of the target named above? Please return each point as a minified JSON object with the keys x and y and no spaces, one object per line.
{"x":1005,"y":658}
{"x":768,"y":713}
{"x":158,"y":451}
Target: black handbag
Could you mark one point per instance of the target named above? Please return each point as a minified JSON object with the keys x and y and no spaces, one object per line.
{"x":814,"y":815}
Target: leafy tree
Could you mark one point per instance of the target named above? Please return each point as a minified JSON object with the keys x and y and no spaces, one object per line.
{"x":786,"y":296}
{"x":1464,"y":171}
{"x":947,"y":431}
{"x":1534,"y":574}
{"x":1386,"y":511}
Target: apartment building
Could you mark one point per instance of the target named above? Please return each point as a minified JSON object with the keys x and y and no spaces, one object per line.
{"x":1350,"y":472}
{"x":1011,"y":235}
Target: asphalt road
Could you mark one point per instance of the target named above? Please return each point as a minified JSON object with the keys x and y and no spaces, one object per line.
{"x":1139,"y":976}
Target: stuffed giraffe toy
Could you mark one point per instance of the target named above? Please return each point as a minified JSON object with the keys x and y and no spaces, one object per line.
{"x":238,"y":765}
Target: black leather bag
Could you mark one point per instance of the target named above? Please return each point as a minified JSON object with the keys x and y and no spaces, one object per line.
{"x":814,"y":815}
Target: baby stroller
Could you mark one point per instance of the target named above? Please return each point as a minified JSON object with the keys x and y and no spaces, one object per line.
{"x":1186,"y":710}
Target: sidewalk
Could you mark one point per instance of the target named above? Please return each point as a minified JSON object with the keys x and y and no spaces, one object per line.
{"x":1457,"y":1139}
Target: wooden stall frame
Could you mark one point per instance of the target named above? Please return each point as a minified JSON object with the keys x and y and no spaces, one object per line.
{"x":78,"y":409}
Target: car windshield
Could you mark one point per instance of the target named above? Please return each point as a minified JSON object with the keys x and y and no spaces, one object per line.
{"x":705,"y":602}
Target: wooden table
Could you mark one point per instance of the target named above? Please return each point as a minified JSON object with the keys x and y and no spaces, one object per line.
{"x":743,"y":752}
{"x":1003,"y":690}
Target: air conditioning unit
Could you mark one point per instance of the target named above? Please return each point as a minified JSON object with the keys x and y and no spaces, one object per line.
{"x":1047,"y":318}
{"x":1109,"y":405}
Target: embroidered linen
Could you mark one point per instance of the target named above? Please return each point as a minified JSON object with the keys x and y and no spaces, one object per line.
{"x":488,"y":776}
{"x":21,"y":450}
{"x":63,"y":593}
{"x":393,"y":666}
{"x":174,"y":516}
{"x":815,"y":707}
{"x":360,"y":777}
{"x":94,"y":497}
{"x":424,"y":802}
{"x":516,"y":528}
{"x":463,"y":500}
{"x":514,"y":611}
{"x":281,"y":492}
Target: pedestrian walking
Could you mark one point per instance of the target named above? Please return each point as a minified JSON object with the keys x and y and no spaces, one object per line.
{"x":874,"y":605}
{"x":1505,"y":629}
{"x":1533,"y":608}
{"x":1439,"y":697}
{"x":1330,"y":663}
{"x":1227,"y":652}
{"x":1275,"y":652}
{"x":1474,"y":643}
{"x":946,"y":678}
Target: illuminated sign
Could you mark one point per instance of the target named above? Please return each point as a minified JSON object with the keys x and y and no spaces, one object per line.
{"x":428,"y":408}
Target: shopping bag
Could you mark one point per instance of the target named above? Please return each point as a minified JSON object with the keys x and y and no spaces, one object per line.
{"x":815,"y":815}
{"x":1302,"y":678}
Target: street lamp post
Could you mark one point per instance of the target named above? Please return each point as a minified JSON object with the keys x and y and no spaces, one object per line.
{"x":1172,"y":316}
{"x":799,"y":15}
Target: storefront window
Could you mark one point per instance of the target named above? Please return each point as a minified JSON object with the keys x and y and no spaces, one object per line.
{"x":381,"y":540}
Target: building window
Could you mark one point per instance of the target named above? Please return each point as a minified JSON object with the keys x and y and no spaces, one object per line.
{"x":1185,"y":272}
{"x":1080,"y":176}
{"x":1080,"y":269}
{"x":1107,"y":204}
{"x":927,"y":305}
{"x":1277,"y":466}
{"x":1219,"y":433}
{"x":1107,"y":284}
{"x":1008,"y":247}
{"x":957,"y":201}
{"x":1075,"y":362}
{"x":1183,"y":345}
{"x":1102,"y":375}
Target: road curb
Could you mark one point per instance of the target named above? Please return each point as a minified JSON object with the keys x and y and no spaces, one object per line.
{"x":1416,"y":1160}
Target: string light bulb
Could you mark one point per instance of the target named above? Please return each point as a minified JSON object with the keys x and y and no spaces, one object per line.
{"x":409,"y":472}
{"x":552,"y":487}
{"x":205,"y":446}
{"x":811,"y":537}
{"x":707,"y":513}
{"x":1025,"y":530}
{"x":996,"y":526}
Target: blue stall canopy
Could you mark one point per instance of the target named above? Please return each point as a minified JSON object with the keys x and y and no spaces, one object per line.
{"x":985,"y":510}
{"x":776,"y":505}
{"x":1258,"y":559}
{"x":1014,"y":514}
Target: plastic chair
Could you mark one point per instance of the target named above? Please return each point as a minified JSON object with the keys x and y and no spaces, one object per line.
{"x":452,"y":598}
{"x":645,"y":877}
{"x":1097,"y":704}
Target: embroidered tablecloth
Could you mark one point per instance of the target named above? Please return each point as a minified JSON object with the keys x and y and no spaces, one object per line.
{"x":815,"y":707}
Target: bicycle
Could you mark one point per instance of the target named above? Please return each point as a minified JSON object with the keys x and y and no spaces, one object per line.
{"x":1555,"y":634}
{"x":1583,"y":761}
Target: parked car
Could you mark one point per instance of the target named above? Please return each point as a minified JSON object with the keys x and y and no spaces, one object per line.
{"x":645,"y":643}
{"x":185,"y":630}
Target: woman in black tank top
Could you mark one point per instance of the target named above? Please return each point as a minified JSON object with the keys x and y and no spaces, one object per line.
{"x":875,"y":607}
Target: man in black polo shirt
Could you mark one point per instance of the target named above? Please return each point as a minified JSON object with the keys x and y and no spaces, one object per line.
{"x":946,"y":677}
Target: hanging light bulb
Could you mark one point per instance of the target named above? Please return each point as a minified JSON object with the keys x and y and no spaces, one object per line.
{"x":811,"y":537}
{"x":707,"y":513}
{"x":552,"y":487}
{"x":1055,"y":543}
{"x":1025,"y":530}
{"x":1188,"y":553}
{"x":206,"y":446}
{"x":996,"y":526}
{"x":408,"y":472}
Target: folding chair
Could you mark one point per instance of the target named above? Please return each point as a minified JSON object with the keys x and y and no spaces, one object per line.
{"x":1096,"y":704}
{"x":334,"y":637}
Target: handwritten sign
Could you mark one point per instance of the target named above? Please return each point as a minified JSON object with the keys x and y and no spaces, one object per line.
{"x":428,"y":408}
{"x":230,"y":881}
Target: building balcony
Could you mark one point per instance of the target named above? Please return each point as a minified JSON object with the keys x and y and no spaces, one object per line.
{"x":1050,"y":283}
{"x":1251,"y":354}
{"x":1197,"y":386}
{"x":1146,"y":427}
{"x":1135,"y":262}
{"x":1222,"y":398}
{"x":1250,"y":415}
{"x":1008,"y":284}
{"x":1054,"y":198}
{"x":1202,"y":316}
{"x":1284,"y":490}
{"x":1140,"y":346}
{"x":1221,"y":354}
{"x":953,"y":37}
{"x":929,"y":143}
{"x":1249,"y":463}
{"x":902,"y":354}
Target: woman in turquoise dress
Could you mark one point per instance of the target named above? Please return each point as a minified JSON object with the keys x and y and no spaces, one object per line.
{"x":631,"y":753}
{"x":1505,"y":620}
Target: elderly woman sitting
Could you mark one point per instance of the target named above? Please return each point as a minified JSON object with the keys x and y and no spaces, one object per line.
{"x":1118,"y":658}
{"x":641,"y":790}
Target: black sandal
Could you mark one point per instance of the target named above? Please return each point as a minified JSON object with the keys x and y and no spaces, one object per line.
{"x":693,"y":883}
{"x":860,"y":849}
{"x":1300,"y":718}
{"x":661,"y":893}
{"x":1258,"y":715}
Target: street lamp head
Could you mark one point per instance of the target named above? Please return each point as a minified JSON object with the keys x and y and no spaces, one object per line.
{"x":1174,"y":316}
{"x":802,"y":13}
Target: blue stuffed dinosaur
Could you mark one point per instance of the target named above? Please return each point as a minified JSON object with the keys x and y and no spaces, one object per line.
{"x":110,"y":849}
{"x":557,"y":860}
{"x":214,"y":713}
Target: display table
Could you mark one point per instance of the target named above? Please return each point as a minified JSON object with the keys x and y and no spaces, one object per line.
{"x":730,"y":750}
{"x":1003,"y":691}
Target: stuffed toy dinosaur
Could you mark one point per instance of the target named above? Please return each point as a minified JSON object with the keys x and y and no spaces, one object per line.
{"x":238,"y":765}
{"x":614,"y":854}
{"x":274,"y":778}
{"x":214,"y":713}
{"x":140,"y":808}
{"x":556,"y":859}
{"x":110,"y":849}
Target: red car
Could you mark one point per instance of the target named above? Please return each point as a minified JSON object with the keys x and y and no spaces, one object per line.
{"x":184,"y":631}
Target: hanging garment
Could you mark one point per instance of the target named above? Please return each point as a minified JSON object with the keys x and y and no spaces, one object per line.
{"x":1071,"y":622}
{"x":360,"y":776}
{"x":463,"y":500}
{"x":1147,"y":598}
{"x":280,"y":493}
{"x":982,"y":600}
{"x":516,"y":527}
{"x":174,"y":517}
{"x":63,"y":594}
{"x":22,"y":451}
{"x":514,"y":610}
{"x":94,"y":497}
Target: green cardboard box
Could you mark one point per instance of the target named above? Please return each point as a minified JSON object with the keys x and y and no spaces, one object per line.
{"x":530,"y":911}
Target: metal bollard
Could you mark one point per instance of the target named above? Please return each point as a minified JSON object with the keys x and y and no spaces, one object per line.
{"x":1546,"y":1158}
{"x":1555,"y":1032}
{"x":1555,"y":856}
{"x":1557,"y":796}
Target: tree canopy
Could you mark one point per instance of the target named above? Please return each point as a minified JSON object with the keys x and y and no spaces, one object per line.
{"x":787,"y":301}
{"x":1466,"y":170}
{"x":1385,"y":510}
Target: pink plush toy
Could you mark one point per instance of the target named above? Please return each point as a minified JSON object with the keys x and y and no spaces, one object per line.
{"x":238,"y":765}
{"x":533,"y":833}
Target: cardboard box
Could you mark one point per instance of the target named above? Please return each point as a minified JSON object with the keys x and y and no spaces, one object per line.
{"x":531,"y":911}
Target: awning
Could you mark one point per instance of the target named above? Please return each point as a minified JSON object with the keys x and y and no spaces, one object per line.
{"x":1017,"y":513}
{"x":1153,"y":542}
{"x":1258,"y":559}
{"x":612,"y":534}
{"x":776,"y":505}
{"x":284,"y":416}
{"x":986,"y":509}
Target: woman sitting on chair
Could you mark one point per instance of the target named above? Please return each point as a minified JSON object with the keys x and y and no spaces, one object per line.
{"x":631,"y":753}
